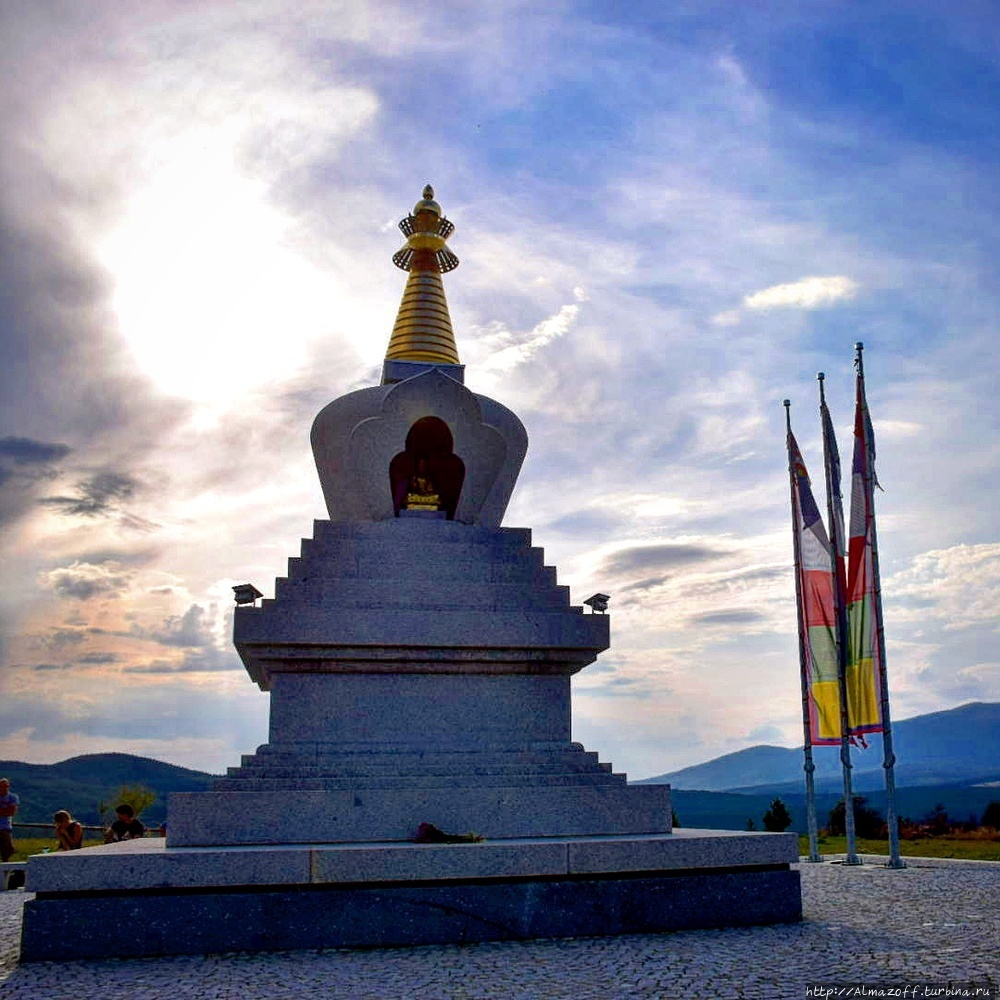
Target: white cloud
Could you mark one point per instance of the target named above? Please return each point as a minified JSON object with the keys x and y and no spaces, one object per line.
{"x":896,"y":429}
{"x":729,"y":317}
{"x":958,"y":586}
{"x":807,"y":293}
{"x":501,"y":350}
{"x":83,"y":581}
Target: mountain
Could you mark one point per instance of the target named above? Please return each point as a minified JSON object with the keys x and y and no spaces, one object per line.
{"x":957,"y":747}
{"x":80,"y":783}
{"x":749,"y":768}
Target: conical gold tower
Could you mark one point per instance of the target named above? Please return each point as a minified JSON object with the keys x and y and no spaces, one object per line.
{"x":423,"y":326}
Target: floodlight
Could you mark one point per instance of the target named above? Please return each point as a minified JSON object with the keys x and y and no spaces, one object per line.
{"x":598,"y":603}
{"x":246,"y":593}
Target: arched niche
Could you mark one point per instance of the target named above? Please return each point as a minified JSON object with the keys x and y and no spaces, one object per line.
{"x":355,"y":437}
{"x":427,"y":468}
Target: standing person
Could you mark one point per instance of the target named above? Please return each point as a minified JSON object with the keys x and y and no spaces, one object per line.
{"x":8,"y":807}
{"x":126,"y":827}
{"x":68,"y":831}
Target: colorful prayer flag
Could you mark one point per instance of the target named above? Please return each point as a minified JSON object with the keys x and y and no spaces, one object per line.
{"x":817,"y":612}
{"x":864,"y":608}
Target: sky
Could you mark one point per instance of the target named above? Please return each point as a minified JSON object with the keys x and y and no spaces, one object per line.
{"x":670,"y":217}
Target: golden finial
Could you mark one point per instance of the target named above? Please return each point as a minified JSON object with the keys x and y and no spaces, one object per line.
{"x":428,"y":204}
{"x":423,"y":325}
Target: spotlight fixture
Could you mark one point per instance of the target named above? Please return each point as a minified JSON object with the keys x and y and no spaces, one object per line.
{"x":246,"y":593}
{"x":598,"y":603}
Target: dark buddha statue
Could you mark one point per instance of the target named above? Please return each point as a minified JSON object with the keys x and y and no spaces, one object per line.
{"x":428,"y":475}
{"x":422,"y":494}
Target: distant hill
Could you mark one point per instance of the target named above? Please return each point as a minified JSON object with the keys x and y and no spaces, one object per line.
{"x":955,"y":748}
{"x":731,"y":810}
{"x":78,"y":784}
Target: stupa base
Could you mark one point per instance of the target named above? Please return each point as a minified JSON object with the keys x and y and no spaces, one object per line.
{"x":142,"y":899}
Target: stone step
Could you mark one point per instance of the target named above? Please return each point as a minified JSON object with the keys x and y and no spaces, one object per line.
{"x":258,"y":769}
{"x":427,"y":531}
{"x":388,"y":553}
{"x":384,"y":566}
{"x":497,"y":547}
{"x":424,"y":593}
{"x":387,"y":572}
{"x":290,"y":784}
{"x":378,"y":762}
{"x":284,"y":816}
{"x":266,"y":769}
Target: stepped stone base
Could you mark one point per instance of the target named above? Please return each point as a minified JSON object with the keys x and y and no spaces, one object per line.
{"x":419,"y":670}
{"x":305,"y":795}
{"x":144,"y":899}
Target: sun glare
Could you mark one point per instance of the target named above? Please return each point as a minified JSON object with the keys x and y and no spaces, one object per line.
{"x":211,"y":295}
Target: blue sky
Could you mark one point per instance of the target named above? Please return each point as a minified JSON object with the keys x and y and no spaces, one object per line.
{"x":669,"y":216}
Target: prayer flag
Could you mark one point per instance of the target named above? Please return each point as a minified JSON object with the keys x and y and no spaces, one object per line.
{"x":864,"y":608}
{"x":817,"y":611}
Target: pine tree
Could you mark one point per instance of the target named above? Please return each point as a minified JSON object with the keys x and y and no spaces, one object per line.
{"x":777,"y":819}
{"x":867,"y":822}
{"x":991,"y":815}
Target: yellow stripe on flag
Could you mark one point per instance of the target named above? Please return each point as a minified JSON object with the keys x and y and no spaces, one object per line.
{"x":826,"y":697}
{"x":863,"y":709}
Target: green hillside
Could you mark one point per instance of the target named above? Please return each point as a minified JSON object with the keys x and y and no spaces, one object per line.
{"x":80,"y":783}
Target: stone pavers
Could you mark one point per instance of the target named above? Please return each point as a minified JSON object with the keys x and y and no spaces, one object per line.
{"x":932,"y":923}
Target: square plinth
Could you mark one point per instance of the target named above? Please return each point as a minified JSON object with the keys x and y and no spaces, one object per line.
{"x":145,"y":899}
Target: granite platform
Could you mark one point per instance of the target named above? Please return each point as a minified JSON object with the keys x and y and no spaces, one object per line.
{"x":212,"y":899}
{"x":933,"y":923}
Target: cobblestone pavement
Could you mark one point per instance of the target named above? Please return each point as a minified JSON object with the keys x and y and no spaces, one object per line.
{"x":929,"y":925}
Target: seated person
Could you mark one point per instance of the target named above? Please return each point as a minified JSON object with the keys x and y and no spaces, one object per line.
{"x":68,"y":831}
{"x":126,"y":827}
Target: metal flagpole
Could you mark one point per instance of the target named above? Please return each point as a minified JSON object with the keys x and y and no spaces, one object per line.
{"x":809,"y":767}
{"x":839,"y":594}
{"x":888,"y":757}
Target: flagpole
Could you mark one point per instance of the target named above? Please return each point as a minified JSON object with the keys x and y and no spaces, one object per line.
{"x":809,"y":767}
{"x":888,"y":757}
{"x":839,"y":598}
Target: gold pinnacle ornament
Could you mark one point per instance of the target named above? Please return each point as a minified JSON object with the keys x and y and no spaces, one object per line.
{"x":423,"y":325}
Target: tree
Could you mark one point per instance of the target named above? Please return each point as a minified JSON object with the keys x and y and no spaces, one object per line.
{"x":937,"y":819}
{"x":674,"y":821}
{"x":750,"y":824}
{"x":777,"y":819}
{"x":867,"y":821}
{"x":991,"y":815}
{"x":139,"y":797}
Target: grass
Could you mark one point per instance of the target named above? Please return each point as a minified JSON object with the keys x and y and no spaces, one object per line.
{"x":24,"y":847}
{"x":976,"y":846}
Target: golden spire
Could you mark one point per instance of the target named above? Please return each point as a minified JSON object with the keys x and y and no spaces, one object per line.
{"x":423,"y":326}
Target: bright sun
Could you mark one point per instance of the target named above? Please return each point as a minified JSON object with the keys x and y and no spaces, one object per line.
{"x":211,"y":294}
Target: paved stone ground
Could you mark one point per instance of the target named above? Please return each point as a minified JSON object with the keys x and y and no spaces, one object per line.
{"x":932,"y":924}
